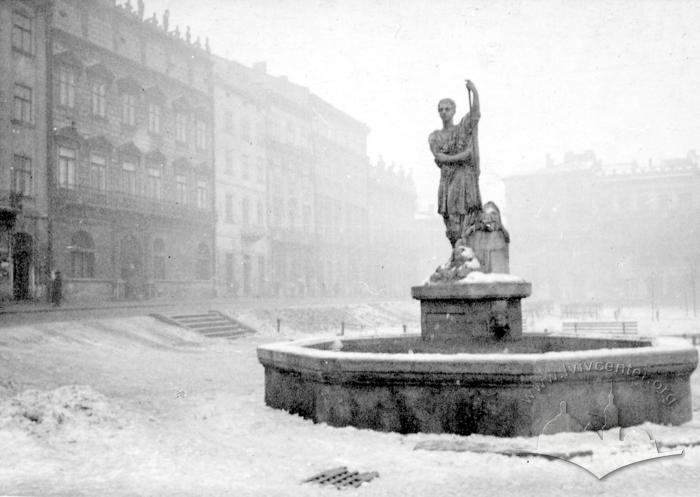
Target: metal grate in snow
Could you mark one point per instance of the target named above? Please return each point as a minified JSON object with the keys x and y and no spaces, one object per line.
{"x":341,"y":477}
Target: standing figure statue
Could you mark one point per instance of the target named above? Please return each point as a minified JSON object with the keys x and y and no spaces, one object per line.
{"x":456,"y":152}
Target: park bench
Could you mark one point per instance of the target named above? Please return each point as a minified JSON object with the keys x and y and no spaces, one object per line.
{"x":693,"y":337}
{"x":622,"y":327}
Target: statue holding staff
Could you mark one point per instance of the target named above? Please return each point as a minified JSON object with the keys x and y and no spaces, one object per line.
{"x":456,"y":152}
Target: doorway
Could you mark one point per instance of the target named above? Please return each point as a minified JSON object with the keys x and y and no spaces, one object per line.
{"x":132,"y":267}
{"x":22,"y":249}
{"x":246,"y":275}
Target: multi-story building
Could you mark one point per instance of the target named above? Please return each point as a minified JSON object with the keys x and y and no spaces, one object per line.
{"x":241,"y":179}
{"x":582,"y":230}
{"x":341,"y":169}
{"x":290,"y":187}
{"x":392,"y":230}
{"x":113,"y":130}
{"x":132,"y":156}
{"x":24,"y":243}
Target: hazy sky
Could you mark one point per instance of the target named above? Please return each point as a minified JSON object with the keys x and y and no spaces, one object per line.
{"x":619,"y":77}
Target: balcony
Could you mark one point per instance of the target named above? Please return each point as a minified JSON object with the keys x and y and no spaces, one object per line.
{"x":291,"y":236}
{"x":124,"y":202}
{"x":10,"y":206}
{"x":252,"y":233}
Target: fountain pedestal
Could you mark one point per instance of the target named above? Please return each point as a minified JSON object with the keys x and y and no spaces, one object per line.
{"x":461,"y":312}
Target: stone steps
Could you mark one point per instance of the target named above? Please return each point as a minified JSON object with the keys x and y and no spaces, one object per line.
{"x":210,"y":324}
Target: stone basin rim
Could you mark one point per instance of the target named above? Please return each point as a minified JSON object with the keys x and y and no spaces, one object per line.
{"x":664,"y":352}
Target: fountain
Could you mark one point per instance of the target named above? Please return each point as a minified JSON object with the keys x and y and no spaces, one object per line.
{"x":472,"y":370}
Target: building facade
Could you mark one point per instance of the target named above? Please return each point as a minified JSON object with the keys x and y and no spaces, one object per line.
{"x":141,"y":166}
{"x":131,"y":164}
{"x":582,"y":230}
{"x":24,"y":243}
{"x":340,"y":202}
{"x":392,"y":231}
{"x":290,"y":187}
{"x":243,"y":240}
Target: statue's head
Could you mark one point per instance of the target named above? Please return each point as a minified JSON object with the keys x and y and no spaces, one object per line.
{"x":446,"y":109}
{"x":491,"y":216}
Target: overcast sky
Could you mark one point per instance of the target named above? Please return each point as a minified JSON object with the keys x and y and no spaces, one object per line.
{"x":619,"y":77}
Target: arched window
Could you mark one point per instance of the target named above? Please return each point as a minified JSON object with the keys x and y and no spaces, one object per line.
{"x":203,"y":262}
{"x":158,"y":259}
{"x":82,"y":255}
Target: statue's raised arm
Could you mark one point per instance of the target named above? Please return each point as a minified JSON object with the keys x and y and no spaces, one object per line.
{"x":455,"y":151}
{"x":474,"y":106}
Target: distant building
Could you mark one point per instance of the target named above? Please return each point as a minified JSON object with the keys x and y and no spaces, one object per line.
{"x":24,"y":242}
{"x":341,"y":178}
{"x":625,"y":233}
{"x":243,"y":239}
{"x":290,"y":186}
{"x":141,"y":166}
{"x":393,"y":230}
{"x":132,"y":157}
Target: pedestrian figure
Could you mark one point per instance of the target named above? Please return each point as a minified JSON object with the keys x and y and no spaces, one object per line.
{"x":57,"y":289}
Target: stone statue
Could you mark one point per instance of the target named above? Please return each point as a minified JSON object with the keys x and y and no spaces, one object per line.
{"x":456,"y":152}
{"x":141,"y":7}
{"x":462,"y":262}
{"x":469,"y":225}
{"x":489,"y":240}
{"x":188,"y":36}
{"x":166,"y":20}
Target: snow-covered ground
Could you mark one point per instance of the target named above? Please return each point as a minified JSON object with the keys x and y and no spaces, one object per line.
{"x":133,"y":406}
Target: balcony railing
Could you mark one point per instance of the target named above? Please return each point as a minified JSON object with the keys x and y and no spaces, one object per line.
{"x":252,"y":232}
{"x":294,"y":236}
{"x":11,"y":200}
{"x":121,"y":201}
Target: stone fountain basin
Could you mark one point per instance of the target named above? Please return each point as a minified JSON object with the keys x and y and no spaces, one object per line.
{"x":505,"y":388}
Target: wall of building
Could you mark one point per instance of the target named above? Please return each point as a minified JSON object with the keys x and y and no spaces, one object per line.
{"x":241,"y":181}
{"x":269,"y":191}
{"x":165,"y":134}
{"x":23,"y":181}
{"x":620,"y":233}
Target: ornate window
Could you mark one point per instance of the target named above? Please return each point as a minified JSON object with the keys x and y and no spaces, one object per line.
{"x":22,"y":33}
{"x":82,"y":255}
{"x":23,"y":104}
{"x":22,"y":175}
{"x":203,"y":269}
{"x":200,"y":134}
{"x":98,"y":172}
{"x":154,"y":114}
{"x":66,"y":167}
{"x":154,"y":188}
{"x":129,"y":176}
{"x":129,"y":109}
{"x":202,"y":194}
{"x":181,"y":188}
{"x":158,"y":259}
{"x":66,"y":87}
{"x":98,"y":92}
{"x":181,"y":127}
